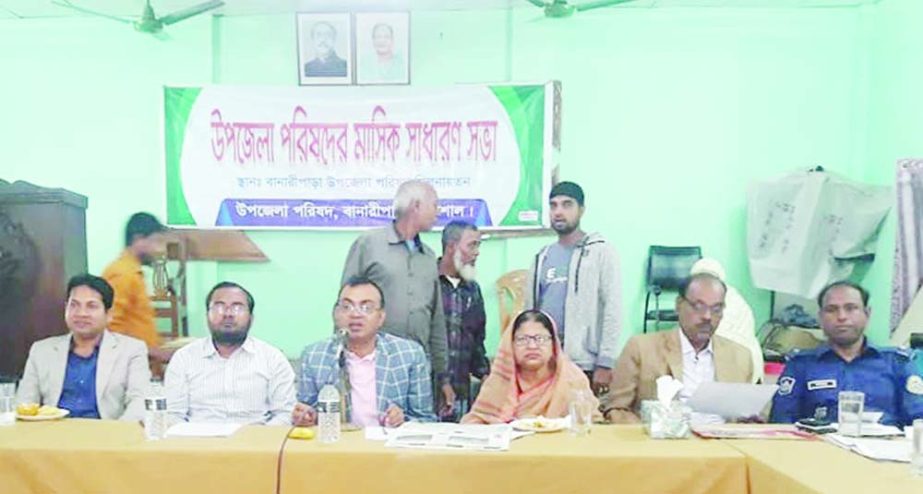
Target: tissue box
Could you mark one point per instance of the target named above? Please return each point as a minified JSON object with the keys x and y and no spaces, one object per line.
{"x":645,"y":412}
{"x":665,"y":422}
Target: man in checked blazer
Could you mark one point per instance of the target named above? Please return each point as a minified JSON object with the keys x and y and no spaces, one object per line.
{"x":91,"y":372}
{"x":383,"y":379}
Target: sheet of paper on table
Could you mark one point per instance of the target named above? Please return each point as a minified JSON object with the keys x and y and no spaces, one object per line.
{"x":877,"y":449}
{"x":875,"y":430}
{"x":193,"y":429}
{"x":731,"y":400}
{"x":379,"y":433}
{"x":750,"y":431}
{"x":469,"y":437}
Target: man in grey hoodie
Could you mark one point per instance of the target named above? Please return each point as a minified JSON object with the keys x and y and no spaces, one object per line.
{"x":576,"y":280}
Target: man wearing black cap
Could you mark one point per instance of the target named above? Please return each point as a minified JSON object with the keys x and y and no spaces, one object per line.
{"x":576,"y":281}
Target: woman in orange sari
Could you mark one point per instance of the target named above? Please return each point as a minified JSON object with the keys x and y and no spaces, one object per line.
{"x":530,"y":376}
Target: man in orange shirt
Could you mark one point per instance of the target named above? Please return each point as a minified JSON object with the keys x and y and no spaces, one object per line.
{"x":132,"y":311}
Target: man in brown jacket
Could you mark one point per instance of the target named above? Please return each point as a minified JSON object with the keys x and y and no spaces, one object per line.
{"x":691,"y":353}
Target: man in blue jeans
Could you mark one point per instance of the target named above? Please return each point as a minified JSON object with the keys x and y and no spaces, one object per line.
{"x":576,"y":280}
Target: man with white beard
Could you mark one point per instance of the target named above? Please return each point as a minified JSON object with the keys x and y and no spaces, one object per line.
{"x":464,"y":315}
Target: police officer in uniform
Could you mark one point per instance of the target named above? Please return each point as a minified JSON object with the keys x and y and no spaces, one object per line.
{"x":812,"y":379}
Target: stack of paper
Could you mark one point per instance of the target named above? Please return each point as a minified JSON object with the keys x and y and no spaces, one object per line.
{"x":449,"y":436}
{"x":876,"y":449}
{"x":875,"y":430}
{"x":378,"y":433}
{"x":748,"y":431}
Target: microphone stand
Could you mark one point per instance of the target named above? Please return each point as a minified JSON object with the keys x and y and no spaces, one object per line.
{"x":345,"y":388}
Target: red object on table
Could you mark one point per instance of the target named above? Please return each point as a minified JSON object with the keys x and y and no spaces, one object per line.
{"x":773,"y":368}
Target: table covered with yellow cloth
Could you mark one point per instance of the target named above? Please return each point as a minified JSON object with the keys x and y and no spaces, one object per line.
{"x":610,"y":459}
{"x":96,"y":456}
{"x":113,"y":457}
{"x":794,"y":467}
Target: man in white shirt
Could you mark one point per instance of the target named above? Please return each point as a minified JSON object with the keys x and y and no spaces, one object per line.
{"x":230,"y":376}
{"x":737,"y":323}
{"x":698,"y":366}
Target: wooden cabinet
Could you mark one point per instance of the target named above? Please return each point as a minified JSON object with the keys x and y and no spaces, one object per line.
{"x":42,"y":244}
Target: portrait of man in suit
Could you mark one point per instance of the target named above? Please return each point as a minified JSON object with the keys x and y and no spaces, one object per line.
{"x":326,"y":63}
{"x":324,"y":44}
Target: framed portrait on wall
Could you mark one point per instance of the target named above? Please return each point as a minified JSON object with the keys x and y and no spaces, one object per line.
{"x":324,"y":48}
{"x":383,"y":48}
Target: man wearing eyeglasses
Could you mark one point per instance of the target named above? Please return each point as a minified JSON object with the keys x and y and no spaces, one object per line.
{"x":383,"y":379}
{"x":810,"y":385}
{"x":230,"y":376}
{"x":692,"y":353}
{"x":398,"y":261}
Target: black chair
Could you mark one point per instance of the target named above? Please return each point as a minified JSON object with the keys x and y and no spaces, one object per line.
{"x":916,"y":341}
{"x":666,"y":269}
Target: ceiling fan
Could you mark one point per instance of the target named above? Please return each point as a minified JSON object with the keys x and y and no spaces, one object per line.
{"x":557,"y":9}
{"x":148,"y":22}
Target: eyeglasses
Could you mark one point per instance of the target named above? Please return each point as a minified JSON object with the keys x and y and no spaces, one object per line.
{"x":364,"y":308}
{"x":702,"y":309}
{"x":538,"y":339}
{"x":222,"y":309}
{"x":835,"y":309}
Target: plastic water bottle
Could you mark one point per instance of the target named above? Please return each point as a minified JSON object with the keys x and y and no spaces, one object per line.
{"x":916,"y":458}
{"x":328,"y":414}
{"x":7,"y":405}
{"x":155,"y":412}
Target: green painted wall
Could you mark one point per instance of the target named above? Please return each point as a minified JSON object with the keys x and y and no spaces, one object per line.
{"x":668,"y":115}
{"x":895,"y":123}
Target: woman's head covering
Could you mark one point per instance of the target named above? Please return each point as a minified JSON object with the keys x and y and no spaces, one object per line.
{"x":501,"y":398}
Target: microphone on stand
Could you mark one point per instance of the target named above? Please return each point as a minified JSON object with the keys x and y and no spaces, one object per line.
{"x":342,"y":339}
{"x":344,"y":388}
{"x":340,"y":355}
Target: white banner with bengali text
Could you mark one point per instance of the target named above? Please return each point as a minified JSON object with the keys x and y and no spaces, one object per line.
{"x":278,"y":157}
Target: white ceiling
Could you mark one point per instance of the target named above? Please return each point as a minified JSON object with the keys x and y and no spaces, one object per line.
{"x":44,"y":8}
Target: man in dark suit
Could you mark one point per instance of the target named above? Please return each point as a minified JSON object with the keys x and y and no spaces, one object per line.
{"x":326,"y":62}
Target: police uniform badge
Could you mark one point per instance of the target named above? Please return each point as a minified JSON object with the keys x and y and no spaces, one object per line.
{"x":915,"y":385}
{"x":821,"y":384}
{"x":786,"y":385}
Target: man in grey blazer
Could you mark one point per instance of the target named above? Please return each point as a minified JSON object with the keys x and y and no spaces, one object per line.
{"x":91,"y":372}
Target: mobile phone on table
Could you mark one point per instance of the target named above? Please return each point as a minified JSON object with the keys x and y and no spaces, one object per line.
{"x":817,"y":426}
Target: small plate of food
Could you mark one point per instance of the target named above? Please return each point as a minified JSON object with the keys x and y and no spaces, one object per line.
{"x":32,"y":412}
{"x":539,"y":424}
